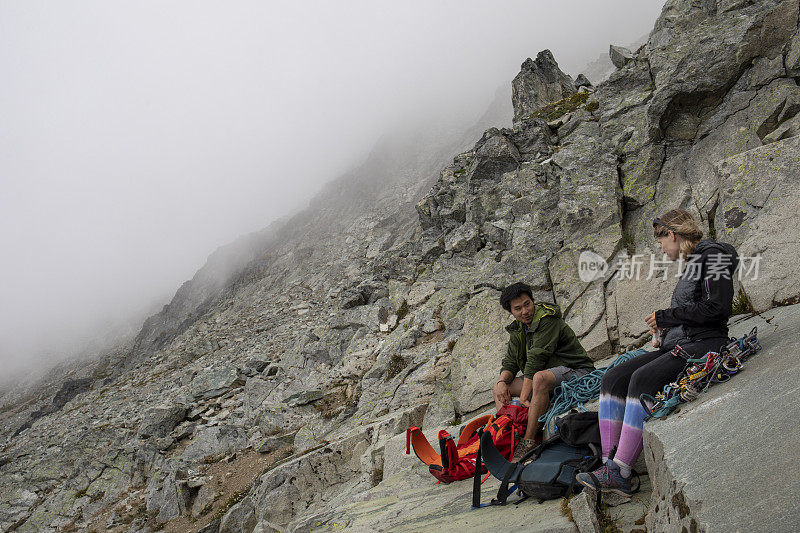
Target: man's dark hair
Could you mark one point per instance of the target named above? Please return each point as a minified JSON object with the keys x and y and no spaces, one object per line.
{"x":515,"y":290}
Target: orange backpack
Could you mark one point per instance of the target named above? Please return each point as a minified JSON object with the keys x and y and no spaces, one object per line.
{"x":457,"y":460}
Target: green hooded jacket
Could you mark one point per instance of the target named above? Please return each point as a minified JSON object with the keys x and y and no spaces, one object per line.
{"x":548,"y":342}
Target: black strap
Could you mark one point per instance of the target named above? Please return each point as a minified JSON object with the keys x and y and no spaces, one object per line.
{"x":599,"y":498}
{"x":476,"y":479}
{"x":502,"y":492}
{"x":638,"y":481}
{"x":443,"y":453}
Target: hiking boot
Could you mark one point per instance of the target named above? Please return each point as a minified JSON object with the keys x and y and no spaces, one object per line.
{"x":610,"y":479}
{"x":523,"y":447}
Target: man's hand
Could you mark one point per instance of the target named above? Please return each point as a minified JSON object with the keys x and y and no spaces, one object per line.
{"x":651,"y":321}
{"x":525,"y":394}
{"x":501,"y":393}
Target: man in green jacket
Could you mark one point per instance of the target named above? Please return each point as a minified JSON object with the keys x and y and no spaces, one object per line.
{"x":544,"y":348}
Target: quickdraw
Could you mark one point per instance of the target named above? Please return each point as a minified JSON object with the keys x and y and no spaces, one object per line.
{"x":700,"y":373}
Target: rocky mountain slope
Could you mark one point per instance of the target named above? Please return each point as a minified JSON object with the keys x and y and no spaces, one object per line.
{"x":269,"y":393}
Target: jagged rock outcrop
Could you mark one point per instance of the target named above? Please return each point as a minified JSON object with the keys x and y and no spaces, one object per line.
{"x":315,"y":343}
{"x":539,"y":83}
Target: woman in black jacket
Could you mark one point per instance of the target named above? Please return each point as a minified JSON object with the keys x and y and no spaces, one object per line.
{"x":696,"y":320}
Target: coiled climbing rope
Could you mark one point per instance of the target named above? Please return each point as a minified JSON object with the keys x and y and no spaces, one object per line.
{"x":580,"y":390}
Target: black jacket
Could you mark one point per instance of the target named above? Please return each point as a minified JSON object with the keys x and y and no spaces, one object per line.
{"x":702,"y":300}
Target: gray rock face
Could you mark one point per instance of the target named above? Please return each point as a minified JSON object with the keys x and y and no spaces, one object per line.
{"x":474,"y":363}
{"x":684,"y":452}
{"x":758,"y":197}
{"x":304,"y":397}
{"x":741,"y":33}
{"x":539,"y":83}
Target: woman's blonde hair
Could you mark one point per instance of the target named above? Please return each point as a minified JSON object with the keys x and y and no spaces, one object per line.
{"x":682,"y":223}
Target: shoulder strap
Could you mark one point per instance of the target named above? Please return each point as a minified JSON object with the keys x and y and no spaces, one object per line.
{"x":472,"y":428}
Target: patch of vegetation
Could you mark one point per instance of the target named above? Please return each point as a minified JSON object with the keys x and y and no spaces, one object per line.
{"x":235,"y":498}
{"x":396,"y":365}
{"x":211,"y":459}
{"x":561,"y":107}
{"x":566,"y":510}
{"x":608,"y":524}
{"x":332,"y":403}
{"x":592,"y":106}
{"x":80,"y":494}
{"x":403,"y":311}
{"x":742,"y":304}
{"x":460,"y":172}
{"x":456,"y":421}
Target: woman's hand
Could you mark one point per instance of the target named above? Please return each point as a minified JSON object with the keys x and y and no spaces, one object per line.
{"x":651,"y":321}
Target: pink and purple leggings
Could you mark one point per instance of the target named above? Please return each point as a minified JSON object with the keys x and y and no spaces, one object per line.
{"x":621,"y":413}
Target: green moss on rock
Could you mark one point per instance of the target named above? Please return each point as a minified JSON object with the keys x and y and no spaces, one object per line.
{"x":561,"y":107}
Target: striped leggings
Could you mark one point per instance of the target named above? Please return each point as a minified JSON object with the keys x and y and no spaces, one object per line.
{"x":621,"y":413}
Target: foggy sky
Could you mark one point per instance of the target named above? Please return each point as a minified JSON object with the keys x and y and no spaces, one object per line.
{"x":137,"y":137}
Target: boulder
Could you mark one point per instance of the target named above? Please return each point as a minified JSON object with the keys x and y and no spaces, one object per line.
{"x":583,"y":513}
{"x":213,"y":443}
{"x":241,"y":518}
{"x":303,"y":397}
{"x":680,"y":54}
{"x":495,"y":155}
{"x":160,"y":421}
{"x":532,"y":137}
{"x":275,"y":442}
{"x":620,"y":55}
{"x":216,"y":382}
{"x":476,"y":357}
{"x":582,"y":81}
{"x":465,"y":239}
